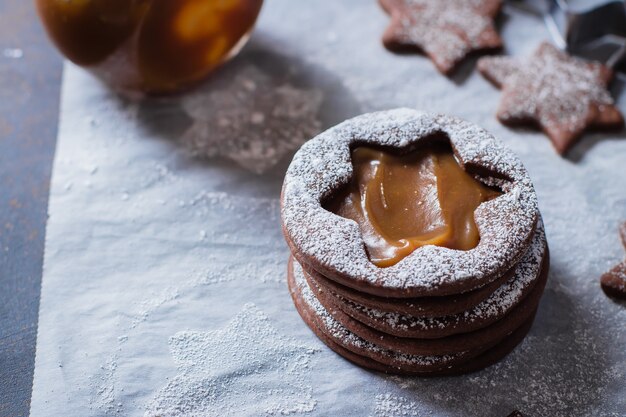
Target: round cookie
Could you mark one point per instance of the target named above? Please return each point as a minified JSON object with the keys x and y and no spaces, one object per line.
{"x":531,"y":269}
{"x":333,"y":246}
{"x":373,"y":356}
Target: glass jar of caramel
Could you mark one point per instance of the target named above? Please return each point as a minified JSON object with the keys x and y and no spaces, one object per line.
{"x":154,"y":46}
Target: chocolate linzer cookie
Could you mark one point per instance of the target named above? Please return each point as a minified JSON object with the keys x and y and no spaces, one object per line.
{"x":464,"y":243}
{"x":313,"y":312}
{"x":400,"y":210}
{"x":445,"y":30}
{"x":562,"y":95}
{"x":484,"y":360}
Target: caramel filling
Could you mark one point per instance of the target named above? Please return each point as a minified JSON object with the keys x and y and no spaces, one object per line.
{"x":403,"y":202}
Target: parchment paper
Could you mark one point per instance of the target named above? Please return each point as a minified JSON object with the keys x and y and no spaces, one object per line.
{"x":164,"y":283}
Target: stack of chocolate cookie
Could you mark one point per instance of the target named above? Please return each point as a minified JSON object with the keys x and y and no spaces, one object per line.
{"x":417,"y":246}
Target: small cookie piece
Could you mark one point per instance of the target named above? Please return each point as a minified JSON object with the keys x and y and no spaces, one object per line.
{"x":445,"y":30}
{"x":561,"y":94}
{"x":613,"y":283}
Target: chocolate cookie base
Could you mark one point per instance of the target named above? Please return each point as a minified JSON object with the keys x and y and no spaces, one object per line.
{"x":418,"y":307}
{"x":457,"y":343}
{"x":526,"y":274}
{"x":368,"y":355}
{"x":478,"y":363}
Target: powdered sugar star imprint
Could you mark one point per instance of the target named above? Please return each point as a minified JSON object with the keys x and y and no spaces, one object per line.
{"x":249,"y":118}
{"x":245,"y":369}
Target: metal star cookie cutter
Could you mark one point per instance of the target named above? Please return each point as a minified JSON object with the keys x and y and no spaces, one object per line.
{"x":595,"y":30}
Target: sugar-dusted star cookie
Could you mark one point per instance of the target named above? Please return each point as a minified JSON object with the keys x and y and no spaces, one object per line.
{"x":445,"y":30}
{"x":561,"y":94}
{"x":613,"y":282}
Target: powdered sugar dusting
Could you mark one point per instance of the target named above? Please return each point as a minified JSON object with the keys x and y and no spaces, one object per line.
{"x":244,"y":369}
{"x":106,"y":383}
{"x":390,"y":405}
{"x":249,"y":118}
{"x":333,"y":245}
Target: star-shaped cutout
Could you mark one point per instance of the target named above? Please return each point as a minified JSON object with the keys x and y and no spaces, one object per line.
{"x":247,"y":368}
{"x":613,"y":282}
{"x":563,"y":95}
{"x":445,"y":30}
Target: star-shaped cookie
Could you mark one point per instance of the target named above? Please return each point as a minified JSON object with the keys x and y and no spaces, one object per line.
{"x":561,"y":94}
{"x":445,"y":30}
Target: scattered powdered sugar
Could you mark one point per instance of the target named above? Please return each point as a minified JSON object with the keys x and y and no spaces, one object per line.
{"x":496,"y":306}
{"x":248,"y":117}
{"x":557,"y":90}
{"x":344,"y":337}
{"x":534,"y":378}
{"x":13,"y":53}
{"x":106,"y":387}
{"x":390,"y":405}
{"x":244,"y":369}
{"x":447,"y":30}
{"x":333,"y":245}
{"x":152,"y":303}
{"x":105,"y":381}
{"x":205,"y":202}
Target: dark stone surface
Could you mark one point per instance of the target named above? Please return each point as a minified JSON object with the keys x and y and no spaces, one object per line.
{"x":29,"y":104}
